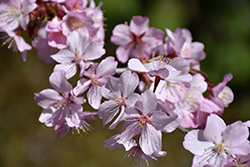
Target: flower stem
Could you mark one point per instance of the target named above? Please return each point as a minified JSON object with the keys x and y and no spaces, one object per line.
{"x":182,"y":130}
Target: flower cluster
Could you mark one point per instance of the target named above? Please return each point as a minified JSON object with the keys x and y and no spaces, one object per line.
{"x":162,"y":88}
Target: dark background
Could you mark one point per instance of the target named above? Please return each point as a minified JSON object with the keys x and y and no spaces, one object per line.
{"x":222,"y":25}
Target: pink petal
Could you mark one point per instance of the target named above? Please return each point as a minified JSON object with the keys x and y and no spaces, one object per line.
{"x":45,"y":117}
{"x":73,"y":119}
{"x":153,"y":37}
{"x":47,"y":97}
{"x":208,"y":106}
{"x":111,"y":89}
{"x":147,"y":103}
{"x":123,"y":53}
{"x":121,"y":35}
{"x":118,"y":119}
{"x":21,"y":44}
{"x":150,"y":140}
{"x":77,"y":42}
{"x":242,"y":149}
{"x":161,"y":121}
{"x":136,"y":65}
{"x":108,"y":110}
{"x":94,"y":96}
{"x":139,"y":25}
{"x":214,"y":128}
{"x":176,"y":39}
{"x":106,"y":67}
{"x":82,"y":85}
{"x":130,"y":129}
{"x":195,"y":142}
{"x":70,"y":69}
{"x":129,"y":81}
{"x":63,"y":56}
{"x":235,"y":134}
{"x":132,"y":99}
{"x":94,"y":51}
{"x":59,"y":82}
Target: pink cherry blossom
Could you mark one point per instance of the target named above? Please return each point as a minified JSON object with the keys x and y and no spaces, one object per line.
{"x":44,"y":50}
{"x":76,"y":5}
{"x":136,"y":40}
{"x":15,"y":13}
{"x":171,"y":70}
{"x":54,"y":34}
{"x":133,"y":149}
{"x":60,"y":106}
{"x":79,"y":55}
{"x":78,"y":125}
{"x":180,"y":44}
{"x":15,"y":42}
{"x":206,"y":107}
{"x":120,"y":96}
{"x":217,"y":142}
{"x":94,"y":78}
{"x":74,"y":20}
{"x":145,"y":120}
{"x":238,"y":161}
{"x":221,"y":94}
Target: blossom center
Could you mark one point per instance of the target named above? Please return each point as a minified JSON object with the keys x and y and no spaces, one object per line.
{"x":63,"y":102}
{"x":220,"y":148}
{"x":12,"y":11}
{"x":144,"y":119}
{"x":137,"y":39}
{"x":74,"y":23}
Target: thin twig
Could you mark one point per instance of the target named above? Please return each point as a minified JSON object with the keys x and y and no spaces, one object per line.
{"x":182,"y":130}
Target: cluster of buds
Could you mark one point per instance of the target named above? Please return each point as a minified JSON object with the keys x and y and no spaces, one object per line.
{"x":162,"y":88}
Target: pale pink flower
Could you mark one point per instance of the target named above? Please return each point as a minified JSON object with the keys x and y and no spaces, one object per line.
{"x":146,"y":120}
{"x":136,"y":153}
{"x":136,"y":40}
{"x":238,"y":161}
{"x":79,"y":56}
{"x":170,"y":76}
{"x":15,"y":42}
{"x":111,"y":143}
{"x":172,"y":70}
{"x":193,"y":101}
{"x":15,"y":13}
{"x":221,"y":94}
{"x":217,"y":142}
{"x":76,"y":5}
{"x":172,"y":92}
{"x":79,"y":124}
{"x":133,"y":149}
{"x":119,"y":97}
{"x":94,"y":78}
{"x":54,"y":33}
{"x":180,"y":44}
{"x":74,"y":20}
{"x":61,"y":106}
{"x":44,"y":50}
{"x":188,"y":107}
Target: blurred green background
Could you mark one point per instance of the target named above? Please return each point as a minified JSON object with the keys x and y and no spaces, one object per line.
{"x":222,"y":25}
